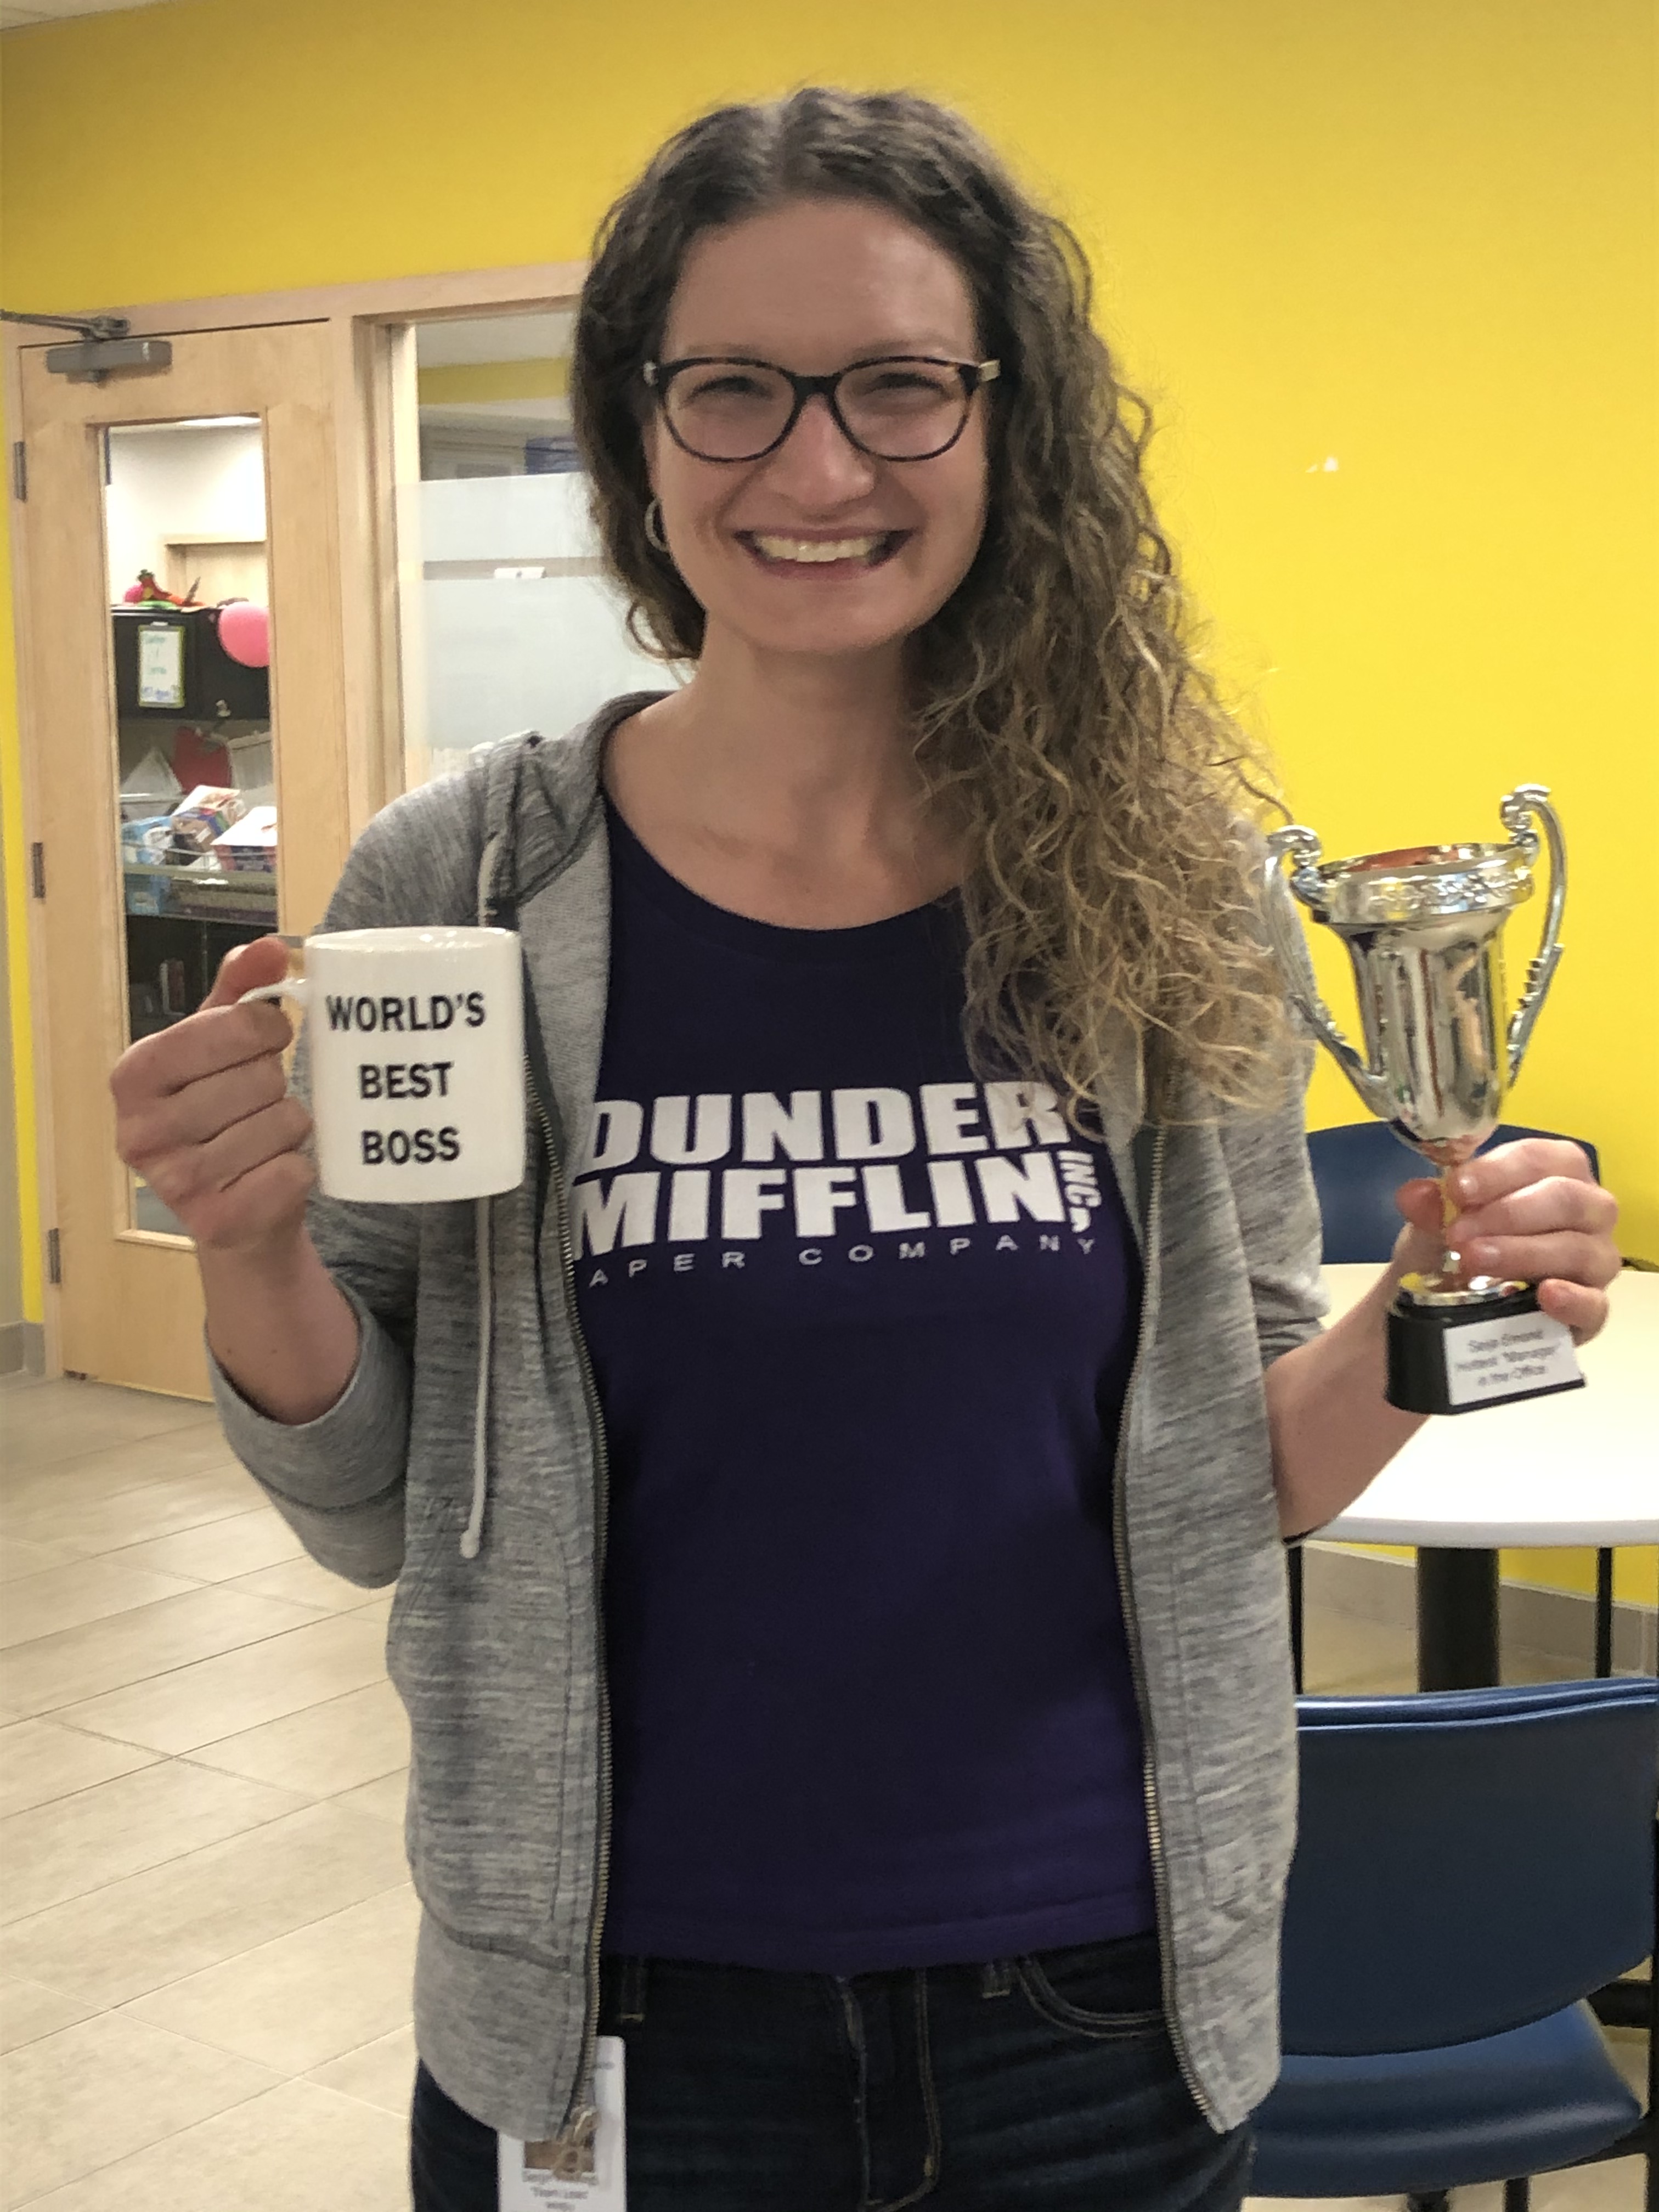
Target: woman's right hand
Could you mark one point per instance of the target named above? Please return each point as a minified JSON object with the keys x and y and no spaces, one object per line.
{"x":203,"y":1113}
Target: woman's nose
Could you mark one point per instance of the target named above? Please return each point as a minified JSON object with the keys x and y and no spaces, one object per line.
{"x":818,"y":463}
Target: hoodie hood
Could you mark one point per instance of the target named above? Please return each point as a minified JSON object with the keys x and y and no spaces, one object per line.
{"x":542,"y":803}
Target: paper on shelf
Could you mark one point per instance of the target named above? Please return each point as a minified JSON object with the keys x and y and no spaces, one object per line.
{"x":250,"y":843}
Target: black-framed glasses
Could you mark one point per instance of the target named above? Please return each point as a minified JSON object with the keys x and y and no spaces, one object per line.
{"x":898,"y":407}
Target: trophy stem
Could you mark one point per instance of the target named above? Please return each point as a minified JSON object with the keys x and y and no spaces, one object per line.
{"x":1444,"y":1281}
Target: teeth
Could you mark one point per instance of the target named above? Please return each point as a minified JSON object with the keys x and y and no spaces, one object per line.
{"x":817,"y":549}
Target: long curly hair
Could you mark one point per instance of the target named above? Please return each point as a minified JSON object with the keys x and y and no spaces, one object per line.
{"x":1058,"y":711}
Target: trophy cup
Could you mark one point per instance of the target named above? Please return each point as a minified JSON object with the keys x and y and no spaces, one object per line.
{"x":1424,"y":928}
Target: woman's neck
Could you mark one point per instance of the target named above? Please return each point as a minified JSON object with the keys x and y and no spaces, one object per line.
{"x":784,"y":787}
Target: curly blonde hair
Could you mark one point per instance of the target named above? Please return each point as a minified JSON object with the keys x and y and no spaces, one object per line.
{"x":1058,"y":711}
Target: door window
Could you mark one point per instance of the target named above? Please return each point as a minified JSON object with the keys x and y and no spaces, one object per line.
{"x":189,"y":644}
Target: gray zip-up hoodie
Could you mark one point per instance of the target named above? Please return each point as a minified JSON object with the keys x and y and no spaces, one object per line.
{"x":497,"y":1644}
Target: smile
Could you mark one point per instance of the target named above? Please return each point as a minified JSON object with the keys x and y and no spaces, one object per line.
{"x":868,"y":550}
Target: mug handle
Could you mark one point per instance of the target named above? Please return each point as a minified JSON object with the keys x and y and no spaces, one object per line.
{"x":1523,"y":803}
{"x":297,"y":988}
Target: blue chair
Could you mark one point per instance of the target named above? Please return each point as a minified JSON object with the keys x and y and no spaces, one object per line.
{"x":1470,"y":1865}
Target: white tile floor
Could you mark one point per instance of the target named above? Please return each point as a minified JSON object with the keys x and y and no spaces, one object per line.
{"x":206,"y":1926}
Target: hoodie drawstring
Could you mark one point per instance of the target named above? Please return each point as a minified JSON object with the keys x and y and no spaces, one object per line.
{"x":472,"y":1533}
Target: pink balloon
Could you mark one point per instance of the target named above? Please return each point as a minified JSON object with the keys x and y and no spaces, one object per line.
{"x":245,"y":633}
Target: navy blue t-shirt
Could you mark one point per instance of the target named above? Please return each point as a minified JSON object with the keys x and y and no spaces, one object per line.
{"x":861,"y":1325}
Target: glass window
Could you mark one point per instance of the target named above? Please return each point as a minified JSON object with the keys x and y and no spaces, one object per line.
{"x":508,"y":620}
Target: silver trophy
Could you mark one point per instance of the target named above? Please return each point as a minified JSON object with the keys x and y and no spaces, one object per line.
{"x":1424,"y":931}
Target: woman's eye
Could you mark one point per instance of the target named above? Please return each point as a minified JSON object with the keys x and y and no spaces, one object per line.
{"x":899,"y":386}
{"x":730,"y":386}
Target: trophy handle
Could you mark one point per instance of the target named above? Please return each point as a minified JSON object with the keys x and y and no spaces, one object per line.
{"x":1303,"y":847}
{"x":1524,"y":802}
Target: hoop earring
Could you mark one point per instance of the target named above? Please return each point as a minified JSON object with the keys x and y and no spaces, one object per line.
{"x":654,"y":528}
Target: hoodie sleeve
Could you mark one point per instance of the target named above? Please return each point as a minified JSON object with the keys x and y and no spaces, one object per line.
{"x":1279,"y":1218}
{"x":338,"y":1480}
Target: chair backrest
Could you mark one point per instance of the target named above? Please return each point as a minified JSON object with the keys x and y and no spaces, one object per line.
{"x":1467,"y":1861}
{"x":1357,"y":1169}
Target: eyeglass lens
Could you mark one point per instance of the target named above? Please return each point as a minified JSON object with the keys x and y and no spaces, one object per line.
{"x":897,"y":409}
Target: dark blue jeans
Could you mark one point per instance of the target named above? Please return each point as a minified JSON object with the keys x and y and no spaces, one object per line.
{"x":1043,"y":2084}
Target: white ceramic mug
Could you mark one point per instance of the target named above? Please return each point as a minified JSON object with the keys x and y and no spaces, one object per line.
{"x":417,"y":1048}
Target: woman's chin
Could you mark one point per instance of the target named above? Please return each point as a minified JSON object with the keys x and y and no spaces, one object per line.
{"x":824,"y":635}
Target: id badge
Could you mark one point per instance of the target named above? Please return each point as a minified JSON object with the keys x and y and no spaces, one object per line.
{"x":532,"y":2179}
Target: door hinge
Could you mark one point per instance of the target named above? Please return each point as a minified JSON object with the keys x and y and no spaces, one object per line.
{"x":54,"y":1259}
{"x":38,"y":871}
{"x":20,"y":469}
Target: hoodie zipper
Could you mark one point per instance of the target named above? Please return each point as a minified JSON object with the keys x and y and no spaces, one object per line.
{"x":1137,"y":1665}
{"x":581,"y":2115}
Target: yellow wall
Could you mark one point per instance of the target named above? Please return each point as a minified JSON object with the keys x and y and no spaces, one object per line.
{"x":475,"y":380}
{"x":1635,"y":1570}
{"x":1418,"y":239}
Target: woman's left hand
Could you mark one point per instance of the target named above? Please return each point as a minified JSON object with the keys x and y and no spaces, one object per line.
{"x":1530,"y":1210}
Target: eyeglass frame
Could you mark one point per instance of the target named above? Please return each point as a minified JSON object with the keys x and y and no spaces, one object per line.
{"x":975,"y":376}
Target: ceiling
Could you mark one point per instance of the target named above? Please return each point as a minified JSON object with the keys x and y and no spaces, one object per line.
{"x":15,"y":15}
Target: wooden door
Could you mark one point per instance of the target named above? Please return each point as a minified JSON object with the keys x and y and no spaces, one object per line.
{"x":132,"y":929}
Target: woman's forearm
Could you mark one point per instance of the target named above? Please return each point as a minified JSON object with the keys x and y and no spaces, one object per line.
{"x":281,"y":1328}
{"x":1332,"y":1428}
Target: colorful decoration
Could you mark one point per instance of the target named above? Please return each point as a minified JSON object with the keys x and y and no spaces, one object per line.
{"x":245,"y":633}
{"x":147,"y":593}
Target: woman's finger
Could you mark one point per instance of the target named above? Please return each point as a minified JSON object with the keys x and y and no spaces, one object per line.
{"x":212,"y":1039}
{"x":1512,"y":1167}
{"x":1582,"y":1309}
{"x":196,"y":1172}
{"x":268,"y":1198}
{"x":1568,"y":1256}
{"x":1538,"y":1209}
{"x":195,"y":1115}
{"x":248,"y":968}
{"x":281,"y":1128}
{"x":1419,"y":1201}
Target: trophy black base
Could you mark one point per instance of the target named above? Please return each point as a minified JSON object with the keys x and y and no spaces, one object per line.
{"x":1454,"y":1355}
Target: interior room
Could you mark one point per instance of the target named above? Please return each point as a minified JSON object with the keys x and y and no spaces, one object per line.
{"x":305,"y":523}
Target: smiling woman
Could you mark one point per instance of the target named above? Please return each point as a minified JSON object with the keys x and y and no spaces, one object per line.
{"x":794,"y":533}
{"x":853,"y":1691}
{"x":1081,"y":784}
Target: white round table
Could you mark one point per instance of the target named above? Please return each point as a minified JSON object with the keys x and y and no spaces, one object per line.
{"x":1579,"y":1468}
